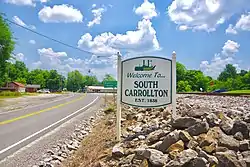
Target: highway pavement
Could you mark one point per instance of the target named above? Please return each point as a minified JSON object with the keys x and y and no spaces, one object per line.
{"x":21,"y":127}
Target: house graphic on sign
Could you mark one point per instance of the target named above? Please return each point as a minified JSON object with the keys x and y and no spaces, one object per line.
{"x":144,"y":66}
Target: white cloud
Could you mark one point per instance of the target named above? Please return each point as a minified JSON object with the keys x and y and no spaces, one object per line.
{"x":60,"y":13}
{"x":142,"y":39}
{"x":19,"y":57}
{"x":44,"y":1}
{"x":18,"y":21}
{"x":21,"y":2}
{"x":183,"y":28}
{"x":146,"y":10}
{"x":243,"y":23}
{"x":73,"y":61}
{"x":220,"y":60}
{"x":50,"y":53}
{"x":205,"y":14}
{"x":97,"y":16}
{"x":231,"y":30}
{"x":94,"y":5}
{"x":230,"y":48}
{"x":32,"y":41}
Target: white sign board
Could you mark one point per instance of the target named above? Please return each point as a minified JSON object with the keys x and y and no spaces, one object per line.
{"x":146,"y":81}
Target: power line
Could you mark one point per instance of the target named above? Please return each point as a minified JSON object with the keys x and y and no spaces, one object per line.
{"x":45,"y":36}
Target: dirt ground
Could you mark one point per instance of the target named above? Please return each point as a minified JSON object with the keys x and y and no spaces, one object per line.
{"x":9,"y":104}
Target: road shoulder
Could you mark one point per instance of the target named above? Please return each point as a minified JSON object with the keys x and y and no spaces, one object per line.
{"x":33,"y":153}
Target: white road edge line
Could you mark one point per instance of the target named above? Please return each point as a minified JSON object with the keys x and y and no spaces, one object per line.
{"x":40,"y":131}
{"x":7,"y":112}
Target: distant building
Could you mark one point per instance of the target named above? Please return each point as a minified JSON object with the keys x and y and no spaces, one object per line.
{"x":14,"y":87}
{"x":100,"y":89}
{"x":32,"y":88}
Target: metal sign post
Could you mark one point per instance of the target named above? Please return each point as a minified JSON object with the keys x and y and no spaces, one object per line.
{"x":174,"y":85}
{"x":118,"y":101}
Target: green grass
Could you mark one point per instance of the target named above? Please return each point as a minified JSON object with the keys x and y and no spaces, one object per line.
{"x":239,"y":91}
{"x":9,"y":94}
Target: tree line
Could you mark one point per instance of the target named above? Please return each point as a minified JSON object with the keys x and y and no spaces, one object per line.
{"x":49,"y":79}
{"x":229,"y":79}
{"x":187,"y":80}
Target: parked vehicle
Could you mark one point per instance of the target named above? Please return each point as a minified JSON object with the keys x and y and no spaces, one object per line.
{"x":43,"y":91}
{"x":219,"y":91}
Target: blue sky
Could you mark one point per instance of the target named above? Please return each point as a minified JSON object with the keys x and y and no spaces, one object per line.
{"x":206,"y":34}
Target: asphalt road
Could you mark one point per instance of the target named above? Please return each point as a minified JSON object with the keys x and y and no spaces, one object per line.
{"x":19,"y":128}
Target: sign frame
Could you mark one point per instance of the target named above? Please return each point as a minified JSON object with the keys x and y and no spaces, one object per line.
{"x":171,"y":81}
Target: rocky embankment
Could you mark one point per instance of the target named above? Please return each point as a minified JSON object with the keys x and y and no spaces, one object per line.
{"x":209,"y":131}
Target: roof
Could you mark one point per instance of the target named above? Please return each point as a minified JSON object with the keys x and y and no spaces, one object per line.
{"x":18,"y":84}
{"x":98,"y":87}
{"x":32,"y":86}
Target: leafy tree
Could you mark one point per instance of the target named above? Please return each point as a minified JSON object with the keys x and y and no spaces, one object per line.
{"x":229,"y":72}
{"x":17,"y":72}
{"x":75,"y":81}
{"x":183,"y":86}
{"x":108,"y":77}
{"x":180,"y":72}
{"x":243,"y":72}
{"x":54,"y":81}
{"x":90,"y":80}
{"x":196,"y":80}
{"x":37,"y":77}
{"x":6,"y":47}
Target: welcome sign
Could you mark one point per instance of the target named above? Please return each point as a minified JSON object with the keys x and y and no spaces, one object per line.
{"x":146,"y":81}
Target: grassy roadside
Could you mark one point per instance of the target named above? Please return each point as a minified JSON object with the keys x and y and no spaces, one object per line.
{"x":239,"y":91}
{"x":97,"y":144}
{"x":8,"y":94}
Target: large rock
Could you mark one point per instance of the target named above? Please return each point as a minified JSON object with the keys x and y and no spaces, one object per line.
{"x":212,"y":120}
{"x":240,"y":126}
{"x":211,"y":159}
{"x":226,"y":124}
{"x":184,"y":122}
{"x":175,"y":149}
{"x":170,"y":139}
{"x":226,"y":159}
{"x":117,"y":151}
{"x":155,"y":157}
{"x":192,"y":144}
{"x":229,"y":142}
{"x":185,"y":136}
{"x":155,"y":136}
{"x":198,"y":162}
{"x":238,"y":136}
{"x":198,"y":113}
{"x":247,"y":118}
{"x":244,"y":145}
{"x":201,"y":127}
{"x":183,"y":158}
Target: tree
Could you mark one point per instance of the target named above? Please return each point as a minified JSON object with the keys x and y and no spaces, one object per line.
{"x":37,"y":77}
{"x":180,"y":72}
{"x":54,"y":81}
{"x":243,"y":72}
{"x":183,"y":86}
{"x":196,"y":80}
{"x":17,"y":72}
{"x":6,"y":47}
{"x":229,"y":72}
{"x":108,"y":77}
{"x":75,"y":81}
{"x":90,"y":80}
